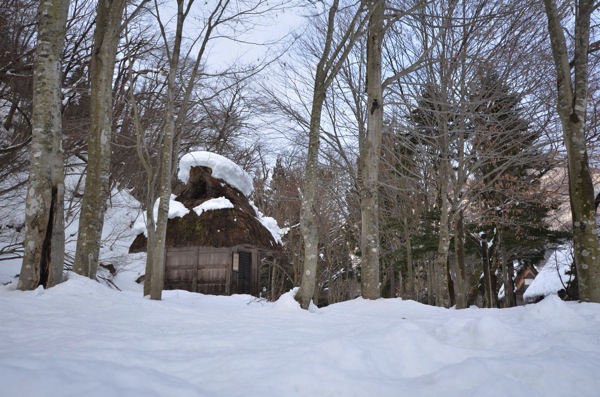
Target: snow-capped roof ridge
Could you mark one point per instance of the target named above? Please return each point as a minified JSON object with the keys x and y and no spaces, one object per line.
{"x":222,"y":168}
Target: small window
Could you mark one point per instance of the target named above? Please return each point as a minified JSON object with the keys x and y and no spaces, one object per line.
{"x":236,"y":262}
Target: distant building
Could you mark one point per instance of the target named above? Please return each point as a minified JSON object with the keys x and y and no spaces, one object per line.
{"x":523,"y":281}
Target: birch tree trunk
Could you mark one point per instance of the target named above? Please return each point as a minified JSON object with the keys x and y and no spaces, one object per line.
{"x":106,"y":38}
{"x":43,"y":259}
{"x":572,"y":103}
{"x":369,"y":203}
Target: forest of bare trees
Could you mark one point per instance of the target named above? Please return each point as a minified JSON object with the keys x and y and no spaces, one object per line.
{"x":407,"y":148}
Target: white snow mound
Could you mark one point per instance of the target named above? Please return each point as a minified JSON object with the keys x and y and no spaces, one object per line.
{"x":222,"y":168}
{"x":176,"y":210}
{"x":219,"y":203}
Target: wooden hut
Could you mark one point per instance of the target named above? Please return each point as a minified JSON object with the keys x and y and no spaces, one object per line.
{"x":219,"y":251}
{"x":523,"y":281}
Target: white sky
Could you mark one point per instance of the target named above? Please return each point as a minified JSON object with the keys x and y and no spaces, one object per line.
{"x":249,"y":46}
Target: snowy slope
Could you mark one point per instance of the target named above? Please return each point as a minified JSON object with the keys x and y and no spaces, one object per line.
{"x":83,"y":339}
{"x":553,"y":275}
{"x":117,"y":233}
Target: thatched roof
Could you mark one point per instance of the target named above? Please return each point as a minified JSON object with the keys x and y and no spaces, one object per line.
{"x":218,"y":228}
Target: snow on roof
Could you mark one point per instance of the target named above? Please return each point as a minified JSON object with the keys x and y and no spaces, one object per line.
{"x":222,"y":168}
{"x":176,"y":210}
{"x":212,"y":205}
{"x":269,"y":223}
{"x":548,"y":282}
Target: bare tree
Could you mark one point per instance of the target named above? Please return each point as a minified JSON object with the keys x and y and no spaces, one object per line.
{"x":17,"y":38}
{"x":572,"y":85}
{"x":370,"y":156}
{"x":109,"y":18}
{"x":44,"y":236}
{"x":369,"y":175}
{"x":334,"y":52}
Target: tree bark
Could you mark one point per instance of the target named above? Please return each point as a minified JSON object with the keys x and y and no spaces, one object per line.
{"x":166,"y":165}
{"x":308,"y":221}
{"x":308,"y":218}
{"x":410,"y":273}
{"x":460,"y":276}
{"x":97,"y":185}
{"x":43,"y":259}
{"x":572,"y":103}
{"x":369,"y":202}
{"x":508,"y":272}
{"x":488,"y":288}
{"x":442,"y":297}
{"x":431,"y":281}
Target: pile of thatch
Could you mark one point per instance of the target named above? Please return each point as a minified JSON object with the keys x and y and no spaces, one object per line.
{"x":218,"y":228}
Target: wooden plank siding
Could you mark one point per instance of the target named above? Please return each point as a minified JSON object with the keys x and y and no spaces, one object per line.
{"x":209,"y":270}
{"x":181,"y":267}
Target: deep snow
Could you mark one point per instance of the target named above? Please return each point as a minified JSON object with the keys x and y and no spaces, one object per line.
{"x":82,"y":338}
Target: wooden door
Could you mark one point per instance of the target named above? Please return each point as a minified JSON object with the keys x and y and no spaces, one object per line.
{"x":244,"y":274}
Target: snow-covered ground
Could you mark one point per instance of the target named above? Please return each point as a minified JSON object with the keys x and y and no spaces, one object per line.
{"x":82,"y":338}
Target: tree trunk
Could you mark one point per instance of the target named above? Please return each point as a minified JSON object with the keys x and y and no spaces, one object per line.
{"x":392,"y":275}
{"x":410,"y":273}
{"x":369,"y":202}
{"x":151,"y":242}
{"x":97,"y":188}
{"x":431,"y":281}
{"x":460,"y":277}
{"x":488,"y":289}
{"x":308,"y":218}
{"x":43,"y":259}
{"x":442,"y":298}
{"x":507,"y":272}
{"x":158,"y":257}
{"x":572,"y":103}
{"x":274,"y":294}
{"x":326,"y":69}
{"x":158,"y":250}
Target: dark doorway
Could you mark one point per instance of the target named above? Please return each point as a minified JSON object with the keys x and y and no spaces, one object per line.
{"x":245,"y":273}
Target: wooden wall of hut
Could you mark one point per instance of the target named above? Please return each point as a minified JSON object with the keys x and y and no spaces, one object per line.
{"x":216,"y":271}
